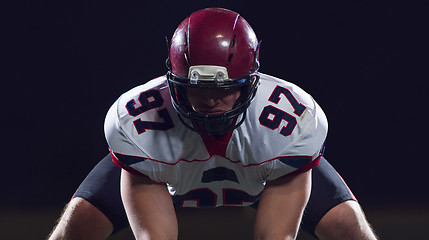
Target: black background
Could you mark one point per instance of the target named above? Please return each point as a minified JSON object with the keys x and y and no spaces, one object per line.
{"x":66,"y":62}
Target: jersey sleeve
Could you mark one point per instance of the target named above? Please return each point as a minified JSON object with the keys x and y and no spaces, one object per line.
{"x":125,"y":153}
{"x":306,"y":143}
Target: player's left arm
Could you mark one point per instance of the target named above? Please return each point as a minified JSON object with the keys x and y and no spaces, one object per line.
{"x":281,"y":207}
{"x":149,"y":207}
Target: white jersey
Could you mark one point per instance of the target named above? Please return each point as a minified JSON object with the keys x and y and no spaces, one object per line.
{"x":283,"y":133}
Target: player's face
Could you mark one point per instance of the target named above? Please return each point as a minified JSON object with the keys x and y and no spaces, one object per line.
{"x":212,"y":101}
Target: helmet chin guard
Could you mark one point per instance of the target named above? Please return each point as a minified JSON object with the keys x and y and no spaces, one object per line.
{"x":215,"y":124}
{"x":213,"y":48}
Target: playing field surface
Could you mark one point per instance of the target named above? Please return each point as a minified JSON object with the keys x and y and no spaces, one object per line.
{"x":390,"y":222}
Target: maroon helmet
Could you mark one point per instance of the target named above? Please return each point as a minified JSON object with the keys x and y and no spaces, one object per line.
{"x":213,"y":48}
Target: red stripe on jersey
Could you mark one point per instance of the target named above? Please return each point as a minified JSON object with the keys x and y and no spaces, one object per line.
{"x":124,"y":166}
{"x":216,"y":145}
{"x":306,"y":167}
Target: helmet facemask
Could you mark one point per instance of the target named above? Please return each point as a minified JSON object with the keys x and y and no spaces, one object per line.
{"x":212,"y":124}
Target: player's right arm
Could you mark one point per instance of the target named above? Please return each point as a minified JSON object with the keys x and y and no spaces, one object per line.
{"x":149,"y":207}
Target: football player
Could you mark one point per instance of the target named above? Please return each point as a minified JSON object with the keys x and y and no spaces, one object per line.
{"x":212,"y":132}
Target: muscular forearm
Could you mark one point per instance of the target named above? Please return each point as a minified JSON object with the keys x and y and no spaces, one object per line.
{"x":149,"y":208}
{"x":281,"y":207}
